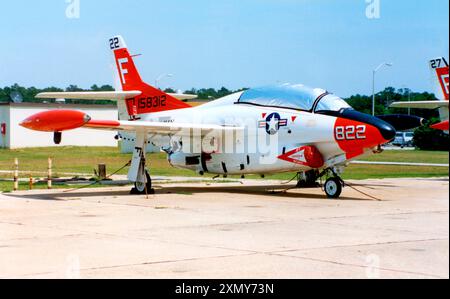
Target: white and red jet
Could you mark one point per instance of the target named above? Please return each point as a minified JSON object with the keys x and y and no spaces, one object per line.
{"x":284,"y":128}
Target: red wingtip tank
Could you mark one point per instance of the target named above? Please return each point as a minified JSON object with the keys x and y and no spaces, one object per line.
{"x":56,"y":121}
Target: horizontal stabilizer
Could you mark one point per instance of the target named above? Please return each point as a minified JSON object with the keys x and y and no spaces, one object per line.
{"x":421,"y":104}
{"x":90,"y":95}
{"x":182,"y":96}
{"x":103,"y":95}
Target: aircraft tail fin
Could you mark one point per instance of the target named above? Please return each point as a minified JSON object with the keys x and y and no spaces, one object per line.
{"x":152,"y":99}
{"x":440,"y":78}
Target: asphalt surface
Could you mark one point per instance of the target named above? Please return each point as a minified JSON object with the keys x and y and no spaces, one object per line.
{"x":229,"y":230}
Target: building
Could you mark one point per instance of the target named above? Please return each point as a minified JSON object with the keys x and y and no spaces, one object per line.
{"x":13,"y":136}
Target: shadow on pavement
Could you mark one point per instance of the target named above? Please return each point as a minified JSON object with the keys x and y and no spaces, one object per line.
{"x":274,"y":191}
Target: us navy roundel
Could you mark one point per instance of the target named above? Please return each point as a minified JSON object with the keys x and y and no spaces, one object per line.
{"x":273,"y":123}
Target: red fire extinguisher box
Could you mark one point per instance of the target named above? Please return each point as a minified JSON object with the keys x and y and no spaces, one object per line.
{"x":3,"y":129}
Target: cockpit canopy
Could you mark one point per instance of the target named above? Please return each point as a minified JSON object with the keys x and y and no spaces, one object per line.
{"x":298,"y":97}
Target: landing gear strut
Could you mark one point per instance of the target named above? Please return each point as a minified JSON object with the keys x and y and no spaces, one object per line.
{"x":308,"y":179}
{"x":138,"y":173}
{"x":57,"y":138}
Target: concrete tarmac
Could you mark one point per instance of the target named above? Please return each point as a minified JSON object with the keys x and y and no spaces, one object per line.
{"x":229,"y":230}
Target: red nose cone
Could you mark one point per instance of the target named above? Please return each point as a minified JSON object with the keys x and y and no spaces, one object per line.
{"x":355,"y":137}
{"x":56,"y":121}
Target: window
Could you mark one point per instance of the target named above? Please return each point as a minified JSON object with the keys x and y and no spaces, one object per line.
{"x":331,"y":102}
{"x":299,"y":97}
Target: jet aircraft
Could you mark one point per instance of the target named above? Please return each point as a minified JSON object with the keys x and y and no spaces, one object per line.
{"x":265,"y":130}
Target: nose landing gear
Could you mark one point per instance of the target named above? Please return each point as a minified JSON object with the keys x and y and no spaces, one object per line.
{"x":333,"y":185}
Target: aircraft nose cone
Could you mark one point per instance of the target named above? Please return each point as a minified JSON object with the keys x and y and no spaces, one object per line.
{"x":26,"y":123}
{"x":387,"y":131}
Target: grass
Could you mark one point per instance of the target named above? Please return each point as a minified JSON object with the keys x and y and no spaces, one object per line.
{"x":85,"y":160}
{"x":410,"y":156}
{"x":80,"y":160}
{"x":8,"y":186}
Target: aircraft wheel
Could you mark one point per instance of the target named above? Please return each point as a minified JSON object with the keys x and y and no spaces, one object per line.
{"x":141,"y":188}
{"x":333,"y":188}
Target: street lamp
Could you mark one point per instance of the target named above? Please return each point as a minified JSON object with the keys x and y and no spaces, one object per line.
{"x":373,"y":83}
{"x":162,"y":77}
{"x":409,"y":96}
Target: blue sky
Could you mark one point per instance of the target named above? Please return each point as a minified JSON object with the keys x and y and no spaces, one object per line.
{"x":233,"y":43}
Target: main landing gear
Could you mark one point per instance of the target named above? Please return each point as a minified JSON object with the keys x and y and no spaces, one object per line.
{"x":143,"y":187}
{"x":138,"y":172}
{"x":308,"y":179}
{"x":333,"y":185}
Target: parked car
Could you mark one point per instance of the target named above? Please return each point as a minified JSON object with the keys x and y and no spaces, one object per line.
{"x":404,"y":139}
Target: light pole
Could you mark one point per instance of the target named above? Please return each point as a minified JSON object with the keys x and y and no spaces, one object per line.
{"x":407,"y":90}
{"x":409,"y":100}
{"x":162,"y":77}
{"x":373,"y":83}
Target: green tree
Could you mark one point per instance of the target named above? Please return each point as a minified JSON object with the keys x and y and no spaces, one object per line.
{"x":73,"y":88}
{"x":95,"y":87}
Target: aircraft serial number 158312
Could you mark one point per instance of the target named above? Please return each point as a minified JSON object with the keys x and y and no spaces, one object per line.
{"x":150,"y":102}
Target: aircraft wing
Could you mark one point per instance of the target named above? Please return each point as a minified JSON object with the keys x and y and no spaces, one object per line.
{"x":64,"y":120}
{"x":104,"y":95}
{"x":158,"y":128}
{"x":420,"y":104}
